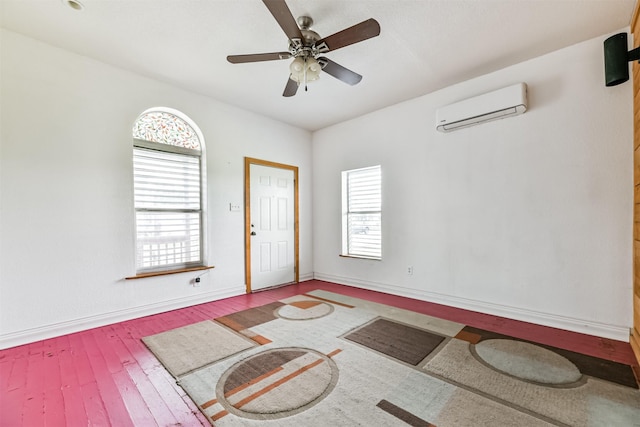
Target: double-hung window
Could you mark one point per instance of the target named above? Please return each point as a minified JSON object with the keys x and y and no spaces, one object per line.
{"x":168,"y":181}
{"x":362,"y":213}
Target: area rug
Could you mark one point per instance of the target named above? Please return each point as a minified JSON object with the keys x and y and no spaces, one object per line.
{"x":325,"y":359}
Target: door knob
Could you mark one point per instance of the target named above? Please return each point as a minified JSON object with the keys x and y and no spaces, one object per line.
{"x":253,"y":233}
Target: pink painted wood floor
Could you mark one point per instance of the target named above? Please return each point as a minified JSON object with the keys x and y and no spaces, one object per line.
{"x":107,"y":377}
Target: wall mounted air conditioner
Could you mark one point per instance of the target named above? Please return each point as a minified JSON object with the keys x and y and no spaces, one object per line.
{"x":505,"y":102}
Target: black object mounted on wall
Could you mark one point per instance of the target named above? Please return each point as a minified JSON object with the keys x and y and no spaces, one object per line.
{"x":616,"y":59}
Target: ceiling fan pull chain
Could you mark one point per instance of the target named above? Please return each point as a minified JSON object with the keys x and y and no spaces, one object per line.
{"x":305,"y":73}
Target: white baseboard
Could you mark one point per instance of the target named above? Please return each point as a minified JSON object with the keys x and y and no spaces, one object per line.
{"x":616,"y":332}
{"x":81,"y":324}
{"x":620,"y":333}
{"x":305,"y":277}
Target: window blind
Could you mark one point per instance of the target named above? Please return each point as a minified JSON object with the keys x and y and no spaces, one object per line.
{"x":364,"y":212}
{"x":168,"y":212}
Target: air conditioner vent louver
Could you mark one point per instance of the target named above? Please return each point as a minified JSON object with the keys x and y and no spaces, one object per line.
{"x":499,"y":104}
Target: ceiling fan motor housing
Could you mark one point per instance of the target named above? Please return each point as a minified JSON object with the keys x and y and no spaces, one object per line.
{"x":305,"y":48}
{"x":310,"y":37}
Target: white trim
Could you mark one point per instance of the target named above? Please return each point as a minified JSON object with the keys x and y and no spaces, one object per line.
{"x":27,"y":336}
{"x":616,"y":332}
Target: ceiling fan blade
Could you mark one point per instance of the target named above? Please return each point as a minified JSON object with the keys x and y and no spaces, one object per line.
{"x":359,"y":32}
{"x":339,"y":72}
{"x":283,"y":15}
{"x":290,"y":89}
{"x":257,"y":57}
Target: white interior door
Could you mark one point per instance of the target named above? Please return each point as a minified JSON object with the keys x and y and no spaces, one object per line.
{"x":272,"y":226}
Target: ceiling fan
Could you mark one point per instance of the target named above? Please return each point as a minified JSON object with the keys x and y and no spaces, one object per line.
{"x":306,"y":47}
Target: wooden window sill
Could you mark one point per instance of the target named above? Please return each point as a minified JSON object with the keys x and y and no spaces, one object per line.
{"x":360,"y":257}
{"x":164,"y":273}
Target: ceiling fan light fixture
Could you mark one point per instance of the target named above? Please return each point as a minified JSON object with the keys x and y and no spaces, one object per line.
{"x":313,"y":69}
{"x":297,"y":67}
{"x":304,"y":70}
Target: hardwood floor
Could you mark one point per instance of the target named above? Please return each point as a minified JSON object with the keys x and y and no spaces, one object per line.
{"x":107,"y":377}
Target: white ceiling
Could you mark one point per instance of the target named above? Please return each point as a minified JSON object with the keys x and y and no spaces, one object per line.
{"x":424,"y":45}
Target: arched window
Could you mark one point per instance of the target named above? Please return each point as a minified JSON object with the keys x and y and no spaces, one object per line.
{"x":168,"y":165}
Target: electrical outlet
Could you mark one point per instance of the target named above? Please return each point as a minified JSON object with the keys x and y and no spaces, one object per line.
{"x":410,"y":270}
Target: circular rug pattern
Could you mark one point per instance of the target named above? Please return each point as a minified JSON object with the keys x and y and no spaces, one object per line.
{"x":527,"y":361}
{"x":304,"y":310}
{"x":277,"y":383}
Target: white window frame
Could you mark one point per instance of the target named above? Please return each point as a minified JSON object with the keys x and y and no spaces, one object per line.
{"x":362,"y":224}
{"x":150,"y":146}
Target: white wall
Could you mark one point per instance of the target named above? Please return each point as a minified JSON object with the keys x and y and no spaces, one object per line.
{"x":66,"y":224}
{"x":528,"y":217}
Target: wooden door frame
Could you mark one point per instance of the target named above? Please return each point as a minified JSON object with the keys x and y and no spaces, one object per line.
{"x":248,"y":161}
{"x":634,"y":337}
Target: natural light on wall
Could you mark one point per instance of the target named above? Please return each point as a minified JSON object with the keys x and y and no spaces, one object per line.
{"x":362,"y":213}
